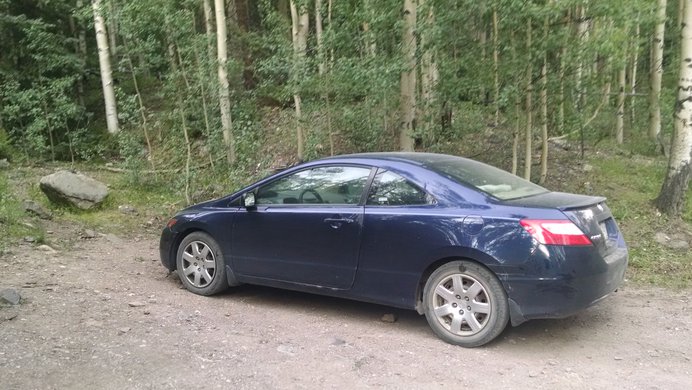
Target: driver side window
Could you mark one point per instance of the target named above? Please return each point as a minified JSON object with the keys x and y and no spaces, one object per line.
{"x":322,"y":185}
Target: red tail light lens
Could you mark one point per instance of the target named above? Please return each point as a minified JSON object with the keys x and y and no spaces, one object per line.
{"x":555,"y":232}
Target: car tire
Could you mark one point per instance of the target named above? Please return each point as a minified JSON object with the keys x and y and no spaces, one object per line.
{"x":465,"y":304}
{"x":200,"y":264}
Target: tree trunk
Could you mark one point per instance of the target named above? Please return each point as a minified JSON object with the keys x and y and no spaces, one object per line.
{"x":224,"y":95}
{"x":656,"y":72}
{"x":142,"y":108}
{"x":429,"y":73}
{"x":528,"y":148}
{"x":300,"y":23}
{"x":105,"y":66}
{"x":633,"y":72}
{"x":671,"y":200}
{"x":620,"y":125}
{"x":408,"y":78}
{"x":370,"y":43}
{"x":496,"y":69}
{"x":209,"y":27}
{"x":517,"y":111}
{"x":544,"y":107}
{"x":583,"y":33}
{"x":113,"y":29}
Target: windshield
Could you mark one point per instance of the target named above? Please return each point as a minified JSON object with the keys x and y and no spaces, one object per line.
{"x":496,"y":182}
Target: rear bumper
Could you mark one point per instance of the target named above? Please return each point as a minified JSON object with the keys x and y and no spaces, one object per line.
{"x":569,"y":279}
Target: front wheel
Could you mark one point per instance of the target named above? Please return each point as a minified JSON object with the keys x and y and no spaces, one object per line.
{"x":200,"y":264}
{"x":465,"y":304}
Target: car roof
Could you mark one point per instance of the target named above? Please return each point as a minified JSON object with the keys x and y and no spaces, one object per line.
{"x":415,"y":158}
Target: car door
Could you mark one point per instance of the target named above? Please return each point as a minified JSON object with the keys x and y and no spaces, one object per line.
{"x":304,"y":229}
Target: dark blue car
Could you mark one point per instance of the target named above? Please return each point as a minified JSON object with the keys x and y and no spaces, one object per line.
{"x":469,"y":246}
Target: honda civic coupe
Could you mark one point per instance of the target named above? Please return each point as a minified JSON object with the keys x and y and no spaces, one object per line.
{"x":469,"y":246}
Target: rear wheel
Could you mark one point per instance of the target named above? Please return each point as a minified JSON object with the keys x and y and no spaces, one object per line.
{"x":200,"y":264}
{"x":465,"y":304}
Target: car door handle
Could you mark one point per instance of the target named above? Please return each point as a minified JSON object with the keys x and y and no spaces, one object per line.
{"x":338,"y":221}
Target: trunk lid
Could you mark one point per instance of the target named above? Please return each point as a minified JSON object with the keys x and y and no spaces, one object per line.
{"x":589,"y":213}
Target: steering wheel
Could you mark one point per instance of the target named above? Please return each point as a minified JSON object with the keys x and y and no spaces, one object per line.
{"x":311,"y":192}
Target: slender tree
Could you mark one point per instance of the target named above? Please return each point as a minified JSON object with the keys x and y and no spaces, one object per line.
{"x":656,"y":72}
{"x":300,"y":23}
{"x":528,"y":134}
{"x":224,"y":94}
{"x":671,"y":199}
{"x":105,"y":66}
{"x":408,"y":78}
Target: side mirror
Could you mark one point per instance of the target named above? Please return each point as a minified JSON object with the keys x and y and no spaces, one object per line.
{"x":249,"y":200}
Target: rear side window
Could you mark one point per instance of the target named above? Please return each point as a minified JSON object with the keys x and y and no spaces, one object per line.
{"x":390,"y":189}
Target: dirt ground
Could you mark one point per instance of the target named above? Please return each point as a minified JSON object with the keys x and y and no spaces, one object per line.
{"x":102,"y":313}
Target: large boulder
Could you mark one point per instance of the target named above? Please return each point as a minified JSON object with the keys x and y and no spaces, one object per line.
{"x":73,"y":189}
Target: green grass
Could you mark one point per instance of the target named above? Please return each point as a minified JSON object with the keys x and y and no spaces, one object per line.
{"x":15,"y":224}
{"x":631,"y":183}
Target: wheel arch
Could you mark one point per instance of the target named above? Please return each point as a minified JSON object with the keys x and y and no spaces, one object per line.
{"x":466,"y":254}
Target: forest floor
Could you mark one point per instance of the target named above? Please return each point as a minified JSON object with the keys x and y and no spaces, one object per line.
{"x":103,"y":313}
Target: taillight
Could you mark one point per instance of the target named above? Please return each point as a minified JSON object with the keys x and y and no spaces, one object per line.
{"x":555,"y":232}
{"x":171,"y":222}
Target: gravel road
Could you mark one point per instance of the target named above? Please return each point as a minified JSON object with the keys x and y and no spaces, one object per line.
{"x":102,"y":313}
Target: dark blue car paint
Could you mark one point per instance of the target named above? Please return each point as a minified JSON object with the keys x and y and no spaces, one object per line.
{"x":385,"y":253}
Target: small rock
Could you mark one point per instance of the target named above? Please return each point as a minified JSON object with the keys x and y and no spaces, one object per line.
{"x":34,"y":208}
{"x":88,"y":234}
{"x":4,"y":164}
{"x":617,"y":358}
{"x":136,"y":304}
{"x":553,"y":362}
{"x":10,"y":296}
{"x":127,"y":209}
{"x":146,"y":312}
{"x":124,"y":330}
{"x":389,"y":318}
{"x":287,"y":349}
{"x":587,"y":168}
{"x":533,"y":374}
{"x":46,"y":248}
{"x":337,"y":341}
{"x":661,"y":238}
{"x":30,"y":239}
{"x":678,"y":244}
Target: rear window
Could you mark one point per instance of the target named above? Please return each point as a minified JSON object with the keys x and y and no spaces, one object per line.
{"x":496,"y":182}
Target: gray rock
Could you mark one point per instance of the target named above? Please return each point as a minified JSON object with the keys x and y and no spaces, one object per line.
{"x":46,"y":248}
{"x":136,"y":304}
{"x":587,"y":168}
{"x":88,"y":234}
{"x":678,"y":244}
{"x":34,"y":208}
{"x":389,"y":318}
{"x":30,"y":239}
{"x":677,"y":241}
{"x":4,"y":164}
{"x":74,"y":189}
{"x":127,"y":209}
{"x":661,"y":238}
{"x":10,"y":296}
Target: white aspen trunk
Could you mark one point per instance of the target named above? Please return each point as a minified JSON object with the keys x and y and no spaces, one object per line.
{"x":529,"y":107}
{"x":544,"y":107}
{"x":620,"y":125}
{"x":321,"y":65}
{"x":105,"y":66}
{"x":496,"y":69}
{"x":224,"y":94}
{"x":656,"y":72}
{"x":633,"y":72}
{"x":517,"y":111}
{"x":300,"y":24}
{"x":429,"y":73}
{"x":681,"y":13}
{"x":408,"y":78}
{"x":209,"y":27}
{"x":370,"y":43}
{"x":671,"y":200}
{"x":582,"y":33}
